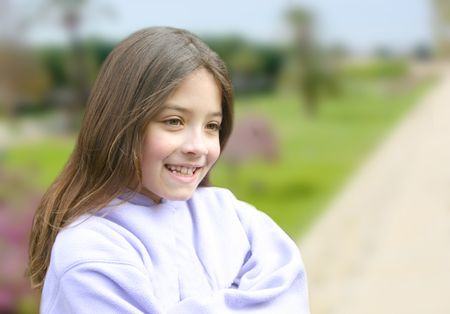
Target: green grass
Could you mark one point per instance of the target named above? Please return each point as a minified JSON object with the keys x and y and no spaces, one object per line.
{"x":39,"y":161}
{"x":316,"y":155}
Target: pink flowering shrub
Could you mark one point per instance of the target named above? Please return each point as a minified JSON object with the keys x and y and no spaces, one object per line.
{"x":16,"y":216}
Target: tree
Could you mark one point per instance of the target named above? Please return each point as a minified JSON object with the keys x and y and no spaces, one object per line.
{"x":314,"y":69}
{"x":70,"y":15}
{"x":442,"y":26}
{"x":300,"y":21}
{"x":253,"y":66}
{"x":23,"y":80}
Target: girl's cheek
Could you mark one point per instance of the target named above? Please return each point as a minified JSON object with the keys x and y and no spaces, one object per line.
{"x":215,"y":152}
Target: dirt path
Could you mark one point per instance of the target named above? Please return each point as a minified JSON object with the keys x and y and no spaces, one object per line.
{"x":383,"y":246}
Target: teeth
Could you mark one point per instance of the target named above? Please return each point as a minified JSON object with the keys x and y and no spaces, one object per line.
{"x":186,"y":171}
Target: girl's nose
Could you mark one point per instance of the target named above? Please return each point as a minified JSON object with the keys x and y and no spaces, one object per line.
{"x":195,"y":144}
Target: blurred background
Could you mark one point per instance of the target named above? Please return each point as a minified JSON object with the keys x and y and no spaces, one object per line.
{"x":318,"y":85}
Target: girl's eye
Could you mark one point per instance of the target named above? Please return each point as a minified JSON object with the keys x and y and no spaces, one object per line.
{"x":173,"y":122}
{"x":213,"y":126}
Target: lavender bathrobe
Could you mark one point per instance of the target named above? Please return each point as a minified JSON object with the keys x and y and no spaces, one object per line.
{"x":210,"y":254}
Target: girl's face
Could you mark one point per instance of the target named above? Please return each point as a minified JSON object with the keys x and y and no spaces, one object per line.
{"x":182,"y":142}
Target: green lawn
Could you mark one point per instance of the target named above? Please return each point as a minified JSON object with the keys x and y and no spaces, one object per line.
{"x":39,"y":161}
{"x":317,"y":155}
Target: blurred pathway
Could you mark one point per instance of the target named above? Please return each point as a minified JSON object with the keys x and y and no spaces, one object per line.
{"x":383,"y":246}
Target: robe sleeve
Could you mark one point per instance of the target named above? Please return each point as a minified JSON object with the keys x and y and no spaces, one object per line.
{"x":99,"y":287}
{"x":271,"y":280}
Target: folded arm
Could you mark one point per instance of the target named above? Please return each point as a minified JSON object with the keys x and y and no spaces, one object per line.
{"x":272,"y":279}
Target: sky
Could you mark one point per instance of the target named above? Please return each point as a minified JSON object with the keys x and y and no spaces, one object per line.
{"x":357,"y":24}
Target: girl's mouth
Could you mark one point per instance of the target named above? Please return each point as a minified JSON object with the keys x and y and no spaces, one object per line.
{"x":182,"y":170}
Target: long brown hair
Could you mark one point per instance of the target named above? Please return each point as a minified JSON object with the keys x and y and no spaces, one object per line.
{"x":131,"y":88}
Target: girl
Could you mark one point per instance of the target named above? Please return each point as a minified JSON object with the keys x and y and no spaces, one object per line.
{"x":130,"y":226}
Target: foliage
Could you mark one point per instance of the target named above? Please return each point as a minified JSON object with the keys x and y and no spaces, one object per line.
{"x":312,"y":69}
{"x":57,"y":60}
{"x":30,"y":169}
{"x":23,"y":80}
{"x":17,"y":204}
{"x":254,"y":67}
{"x":377,"y":69}
{"x":441,"y":26}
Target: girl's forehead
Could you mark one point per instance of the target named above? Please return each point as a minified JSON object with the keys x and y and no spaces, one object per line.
{"x":197,"y":91}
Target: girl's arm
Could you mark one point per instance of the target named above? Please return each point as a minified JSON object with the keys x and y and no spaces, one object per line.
{"x":103,"y":287}
{"x":272,"y":279}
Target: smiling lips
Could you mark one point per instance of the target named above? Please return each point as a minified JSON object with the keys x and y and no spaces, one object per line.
{"x":182,"y":170}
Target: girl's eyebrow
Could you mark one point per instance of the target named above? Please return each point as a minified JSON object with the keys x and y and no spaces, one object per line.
{"x":187,"y":110}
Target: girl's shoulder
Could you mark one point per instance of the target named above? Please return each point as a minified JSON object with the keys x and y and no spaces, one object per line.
{"x":93,"y":239}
